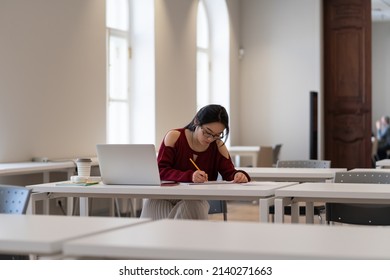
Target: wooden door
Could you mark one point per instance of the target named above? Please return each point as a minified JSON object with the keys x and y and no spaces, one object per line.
{"x":347,"y":82}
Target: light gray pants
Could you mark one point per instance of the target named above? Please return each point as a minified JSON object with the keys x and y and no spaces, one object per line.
{"x":156,"y":209}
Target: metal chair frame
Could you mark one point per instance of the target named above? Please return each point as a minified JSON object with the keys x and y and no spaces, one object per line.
{"x":13,"y":200}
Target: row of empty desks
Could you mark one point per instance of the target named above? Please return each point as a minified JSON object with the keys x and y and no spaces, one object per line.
{"x":327,"y":192}
{"x":127,"y":238}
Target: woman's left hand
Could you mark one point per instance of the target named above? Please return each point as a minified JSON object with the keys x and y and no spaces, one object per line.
{"x":240,"y":177}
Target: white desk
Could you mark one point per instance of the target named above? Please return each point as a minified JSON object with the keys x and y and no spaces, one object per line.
{"x":237,"y":152}
{"x":184,"y":239}
{"x":23,"y":168}
{"x":384,"y":163}
{"x":31,"y":167}
{"x":292,"y":174}
{"x":327,"y":192}
{"x":262,"y":191}
{"x":41,"y":234}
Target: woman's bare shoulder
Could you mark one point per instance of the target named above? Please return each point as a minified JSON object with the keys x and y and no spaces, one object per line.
{"x":171,"y":137}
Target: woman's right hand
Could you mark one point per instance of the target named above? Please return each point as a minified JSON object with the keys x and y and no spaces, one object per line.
{"x":199,"y":177}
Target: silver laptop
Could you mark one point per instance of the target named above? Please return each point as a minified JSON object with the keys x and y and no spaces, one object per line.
{"x":128,"y":164}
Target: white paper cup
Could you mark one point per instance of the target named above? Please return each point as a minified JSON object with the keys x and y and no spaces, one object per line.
{"x":84,"y":167}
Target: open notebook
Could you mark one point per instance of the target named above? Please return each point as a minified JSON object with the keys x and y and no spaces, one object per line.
{"x":128,"y":164}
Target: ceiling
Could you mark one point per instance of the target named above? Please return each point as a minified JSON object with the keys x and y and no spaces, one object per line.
{"x":380,"y":10}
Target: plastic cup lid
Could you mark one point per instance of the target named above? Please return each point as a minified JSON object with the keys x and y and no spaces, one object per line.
{"x":83,"y":160}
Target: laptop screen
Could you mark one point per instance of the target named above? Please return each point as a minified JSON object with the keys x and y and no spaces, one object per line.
{"x":128,"y":164}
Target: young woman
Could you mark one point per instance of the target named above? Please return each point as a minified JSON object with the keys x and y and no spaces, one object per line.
{"x":195,"y":153}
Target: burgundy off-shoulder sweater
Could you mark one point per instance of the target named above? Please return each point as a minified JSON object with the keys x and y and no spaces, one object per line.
{"x":174,"y":162}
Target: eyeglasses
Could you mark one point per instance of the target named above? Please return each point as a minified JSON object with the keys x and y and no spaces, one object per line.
{"x":208,"y":135}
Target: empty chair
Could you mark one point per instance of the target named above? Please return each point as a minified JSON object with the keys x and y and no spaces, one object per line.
{"x":276,"y":153}
{"x":217,"y":207}
{"x":13,"y":200}
{"x":265,"y":157}
{"x":302,"y":164}
{"x":360,"y":214}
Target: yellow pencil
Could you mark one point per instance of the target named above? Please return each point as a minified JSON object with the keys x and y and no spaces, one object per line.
{"x":193,"y":162}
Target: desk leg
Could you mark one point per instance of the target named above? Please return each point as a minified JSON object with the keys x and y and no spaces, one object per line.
{"x":295,"y":212}
{"x":34,"y":197}
{"x":279,"y":210}
{"x":254,"y":160}
{"x":264,"y":204}
{"x":69,"y":206}
{"x":309,"y":212}
{"x":31,"y":206}
{"x":83,"y":206}
{"x":46,"y":206}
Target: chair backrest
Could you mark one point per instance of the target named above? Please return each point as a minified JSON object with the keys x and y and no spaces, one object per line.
{"x":360,"y":214}
{"x":218,"y":207}
{"x":13,"y":199}
{"x":276,"y":153}
{"x":265,"y":158}
{"x":363,"y":177}
{"x":303,"y":163}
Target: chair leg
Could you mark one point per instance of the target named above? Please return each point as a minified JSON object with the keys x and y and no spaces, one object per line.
{"x":224,"y":210}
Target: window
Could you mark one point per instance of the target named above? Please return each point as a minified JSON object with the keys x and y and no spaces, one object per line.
{"x":213,"y":53}
{"x":117,"y":95}
{"x":203,"y":58}
{"x":130,"y":71}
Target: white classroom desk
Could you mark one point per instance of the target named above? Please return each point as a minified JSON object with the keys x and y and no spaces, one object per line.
{"x":31,"y":167}
{"x":42,"y":234}
{"x":384,"y":163}
{"x":327,"y":192}
{"x":237,"y":152}
{"x":184,"y":239}
{"x":261,"y":191}
{"x":292,"y":174}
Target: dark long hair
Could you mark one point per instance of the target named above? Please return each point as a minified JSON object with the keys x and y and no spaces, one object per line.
{"x":208,"y":114}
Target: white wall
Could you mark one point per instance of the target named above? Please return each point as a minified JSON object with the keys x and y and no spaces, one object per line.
{"x":235,"y":44}
{"x":175,"y":26}
{"x":52,"y":78}
{"x":41,"y":80}
{"x":281,"y":65}
{"x":270,"y":85}
{"x":380,"y":70}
